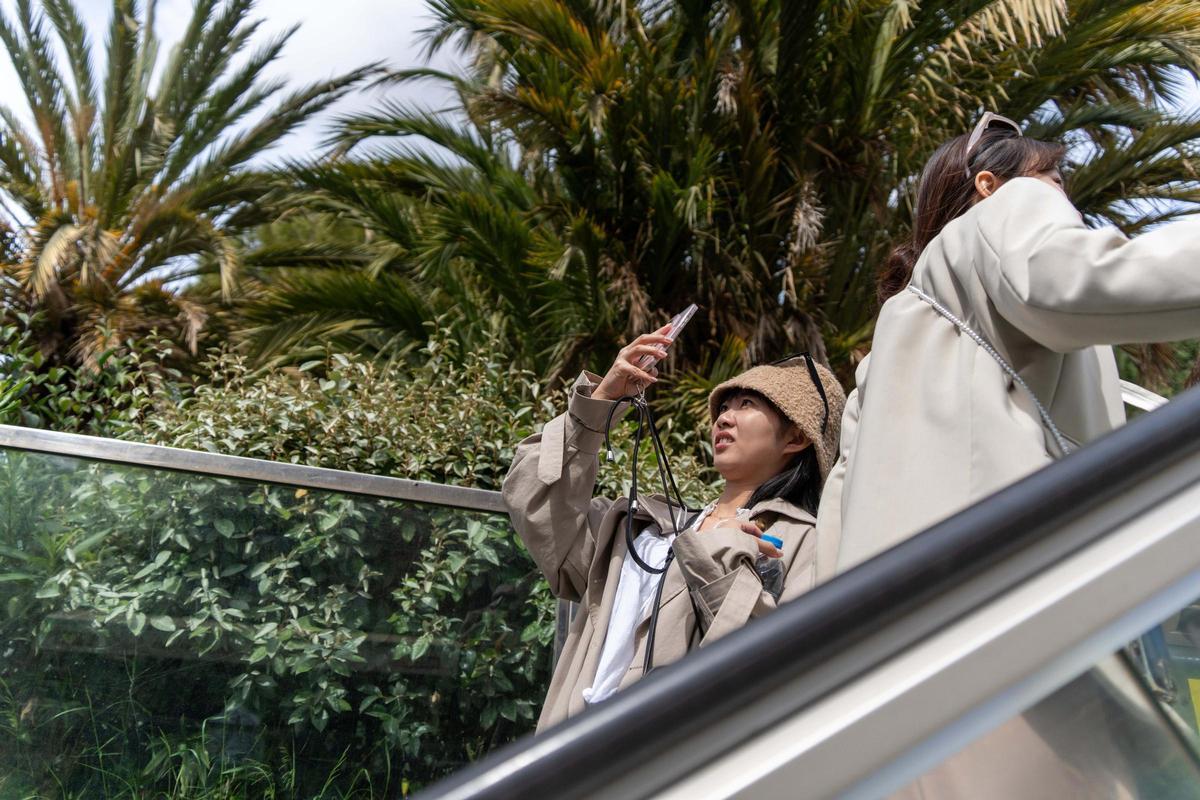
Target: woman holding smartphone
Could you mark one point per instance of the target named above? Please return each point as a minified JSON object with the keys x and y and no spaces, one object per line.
{"x":649,"y":595}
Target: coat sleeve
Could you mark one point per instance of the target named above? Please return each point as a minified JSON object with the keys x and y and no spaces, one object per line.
{"x":548,"y":490}
{"x":718,"y":565}
{"x":1067,"y":286}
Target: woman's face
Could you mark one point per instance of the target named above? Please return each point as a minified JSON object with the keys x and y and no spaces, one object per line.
{"x":752,"y":442}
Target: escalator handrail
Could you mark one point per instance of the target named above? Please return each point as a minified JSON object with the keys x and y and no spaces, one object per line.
{"x":582,"y":755}
{"x":175,"y":459}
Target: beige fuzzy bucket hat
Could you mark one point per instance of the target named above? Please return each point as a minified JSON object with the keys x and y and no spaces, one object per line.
{"x":792,"y":385}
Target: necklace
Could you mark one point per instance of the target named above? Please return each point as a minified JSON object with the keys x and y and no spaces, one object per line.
{"x":708,"y":512}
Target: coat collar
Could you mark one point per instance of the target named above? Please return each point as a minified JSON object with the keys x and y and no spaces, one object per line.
{"x":784,"y":509}
{"x":654,"y":508}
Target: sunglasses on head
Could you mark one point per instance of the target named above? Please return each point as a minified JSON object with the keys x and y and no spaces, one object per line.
{"x":987,"y":122}
{"x":816,"y":379}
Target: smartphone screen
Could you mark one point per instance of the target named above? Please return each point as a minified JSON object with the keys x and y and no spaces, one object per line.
{"x":677,"y":324}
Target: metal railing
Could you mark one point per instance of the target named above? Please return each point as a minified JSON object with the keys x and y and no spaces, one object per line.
{"x":252,"y":469}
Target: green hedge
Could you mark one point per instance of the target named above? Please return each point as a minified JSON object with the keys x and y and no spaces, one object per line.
{"x":379,"y":643}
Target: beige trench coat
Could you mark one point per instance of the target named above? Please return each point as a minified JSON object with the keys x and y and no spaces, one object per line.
{"x":935,"y":424}
{"x":578,"y":542}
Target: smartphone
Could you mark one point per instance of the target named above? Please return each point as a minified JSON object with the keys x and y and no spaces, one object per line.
{"x":677,"y":324}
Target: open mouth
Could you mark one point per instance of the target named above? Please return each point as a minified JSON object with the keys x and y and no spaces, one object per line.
{"x":722,"y":440}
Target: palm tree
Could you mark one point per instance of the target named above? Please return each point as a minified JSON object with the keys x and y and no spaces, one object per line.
{"x":757,"y":157}
{"x":118,"y":188}
{"x":414,"y":232}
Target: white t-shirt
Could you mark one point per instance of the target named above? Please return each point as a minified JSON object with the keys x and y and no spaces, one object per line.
{"x":633,"y":603}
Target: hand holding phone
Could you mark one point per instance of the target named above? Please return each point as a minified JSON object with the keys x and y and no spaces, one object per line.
{"x":634,"y":370}
{"x":676,"y":325}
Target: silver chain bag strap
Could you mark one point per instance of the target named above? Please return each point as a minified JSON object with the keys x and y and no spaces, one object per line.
{"x":1059,"y":439}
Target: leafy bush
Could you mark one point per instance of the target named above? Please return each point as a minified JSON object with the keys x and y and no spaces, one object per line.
{"x":455,"y":418}
{"x":110,"y":399}
{"x":392,"y":639}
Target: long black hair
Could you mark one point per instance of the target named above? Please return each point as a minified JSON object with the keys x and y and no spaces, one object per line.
{"x":946,"y":192}
{"x":799,"y":483}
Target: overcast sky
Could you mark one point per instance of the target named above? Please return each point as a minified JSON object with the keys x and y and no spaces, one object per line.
{"x":334,"y":36}
{"x":1193,"y":99}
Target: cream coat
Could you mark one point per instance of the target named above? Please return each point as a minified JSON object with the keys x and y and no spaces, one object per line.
{"x":577,"y":540}
{"x":935,"y":425}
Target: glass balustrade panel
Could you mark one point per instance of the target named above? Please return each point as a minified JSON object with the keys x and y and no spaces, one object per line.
{"x":170,"y":634}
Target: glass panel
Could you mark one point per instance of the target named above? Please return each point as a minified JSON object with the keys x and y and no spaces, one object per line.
{"x":174,"y":635}
{"x":1104,"y":735}
{"x":1169,"y":657}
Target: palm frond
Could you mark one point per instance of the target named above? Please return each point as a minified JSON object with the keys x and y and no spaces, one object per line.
{"x":55,"y":256}
{"x":77,"y":45}
{"x":119,"y":187}
{"x":606,"y":162}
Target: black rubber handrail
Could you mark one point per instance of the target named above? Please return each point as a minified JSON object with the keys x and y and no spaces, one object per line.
{"x":588,"y":752}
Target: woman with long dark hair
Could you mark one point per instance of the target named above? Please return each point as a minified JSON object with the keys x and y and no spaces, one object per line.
{"x":992,"y":351}
{"x":992,"y":356}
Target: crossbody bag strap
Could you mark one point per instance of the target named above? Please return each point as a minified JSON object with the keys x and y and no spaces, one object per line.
{"x":1059,"y":440}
